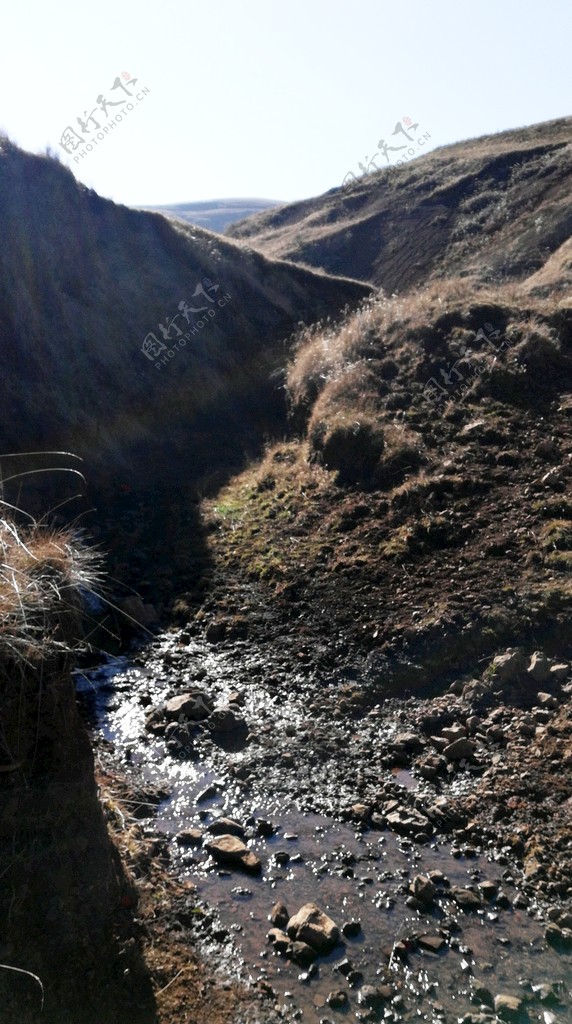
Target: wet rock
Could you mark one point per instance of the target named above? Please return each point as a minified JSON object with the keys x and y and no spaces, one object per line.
{"x":539,"y":667}
{"x":459,"y":749}
{"x":189,"y":837}
{"x":265,"y":829}
{"x":432,"y":943}
{"x":155,"y":721}
{"x":279,"y":940}
{"x":195,"y":704}
{"x":209,"y":793}
{"x":560,"y":938}
{"x":423,"y":890}
{"x":337,"y":1000}
{"x":466,"y":899}
{"x":226,"y":826}
{"x":301,"y":953}
{"x":407,"y":821}
{"x":508,"y":1007}
{"x":225,"y":720}
{"x":279,"y":914}
{"x":488,"y":889}
{"x":351,"y":929}
{"x":311,"y":925}
{"x":344,"y":966}
{"x":232,"y":851}
{"x":370,"y":996}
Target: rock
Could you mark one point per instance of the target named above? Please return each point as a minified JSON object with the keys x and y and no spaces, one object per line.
{"x":453,"y":732}
{"x":215,"y":631}
{"x":559,"y":672}
{"x":279,"y":914}
{"x":408,"y":821}
{"x":488,"y":889}
{"x":311,"y":925}
{"x":432,"y":943}
{"x":344,"y":966}
{"x":370,"y":996}
{"x":155,"y":721}
{"x":546,"y":700}
{"x":279,"y":940}
{"x":483,"y":996}
{"x":351,"y":929}
{"x":423,"y":890}
{"x":195,"y":704}
{"x":561,"y":938}
{"x":539,"y":667}
{"x":208,"y":793}
{"x":232,"y":851}
{"x":508,"y":666}
{"x":337,"y":1000}
{"x":508,"y":1007}
{"x":466,"y":899}
{"x":459,"y":749}
{"x":189,"y":837}
{"x":301,"y":953}
{"x":224,"y":719}
{"x":226,"y":827}
{"x":410,"y":740}
{"x":473,"y":723}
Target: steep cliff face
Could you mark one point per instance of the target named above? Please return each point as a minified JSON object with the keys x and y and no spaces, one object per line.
{"x":64,"y":899}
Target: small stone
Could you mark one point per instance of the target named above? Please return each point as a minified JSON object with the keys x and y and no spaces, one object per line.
{"x":466,"y":899}
{"x":423,"y":890}
{"x":351,"y":929}
{"x":301,"y":953}
{"x":488,"y":889}
{"x":508,"y":1007}
{"x":539,"y":667}
{"x":226,"y":826}
{"x":189,"y":837}
{"x":432,"y":943}
{"x":196,"y":705}
{"x":232,"y":851}
{"x":279,"y":940}
{"x":279,"y":914}
{"x":337,"y":1000}
{"x":459,"y":749}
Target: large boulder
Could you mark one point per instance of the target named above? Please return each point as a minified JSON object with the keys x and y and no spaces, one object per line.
{"x":312,"y":926}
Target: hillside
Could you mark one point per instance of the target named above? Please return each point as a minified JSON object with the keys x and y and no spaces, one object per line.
{"x":216,"y":214}
{"x":86,"y":284}
{"x":489,"y":209}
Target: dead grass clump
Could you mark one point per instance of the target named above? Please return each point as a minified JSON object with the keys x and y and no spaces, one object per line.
{"x":42,"y":573}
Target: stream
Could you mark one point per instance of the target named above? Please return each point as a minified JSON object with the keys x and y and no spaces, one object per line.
{"x":288,"y":782}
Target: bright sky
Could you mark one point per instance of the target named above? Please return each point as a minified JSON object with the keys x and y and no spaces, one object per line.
{"x":256,"y":98}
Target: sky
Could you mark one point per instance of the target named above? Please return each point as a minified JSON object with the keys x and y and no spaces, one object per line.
{"x":254,"y":98}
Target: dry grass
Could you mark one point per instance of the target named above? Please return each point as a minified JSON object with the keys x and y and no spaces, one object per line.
{"x":42,"y":572}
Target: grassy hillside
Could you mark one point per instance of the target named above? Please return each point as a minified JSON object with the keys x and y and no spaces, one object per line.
{"x":84,"y":282}
{"x":422,"y":513}
{"x":490,"y":209}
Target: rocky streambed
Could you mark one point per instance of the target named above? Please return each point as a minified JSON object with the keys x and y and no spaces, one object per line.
{"x":352,"y":858}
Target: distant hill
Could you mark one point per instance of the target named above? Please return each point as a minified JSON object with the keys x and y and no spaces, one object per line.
{"x":491,"y":209}
{"x":215,"y":214}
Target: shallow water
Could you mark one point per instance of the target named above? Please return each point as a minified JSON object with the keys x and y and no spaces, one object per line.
{"x":350,"y":873}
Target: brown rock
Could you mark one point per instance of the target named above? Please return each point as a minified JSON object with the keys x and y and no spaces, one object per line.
{"x":232,"y":851}
{"x":311,"y":925}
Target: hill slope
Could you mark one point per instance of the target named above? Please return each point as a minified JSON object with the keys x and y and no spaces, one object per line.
{"x":490,"y":209}
{"x":85,"y":284}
